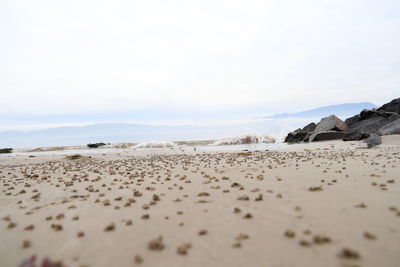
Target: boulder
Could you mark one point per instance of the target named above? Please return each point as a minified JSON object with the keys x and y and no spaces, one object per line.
{"x":331,"y":123}
{"x":328,"y":125}
{"x":326,"y":135}
{"x":300,"y":135}
{"x":295,"y":136}
{"x":392,"y":106}
{"x":373,"y":140}
{"x":95,"y":145}
{"x":364,"y":128}
{"x":6,"y":150}
{"x":390,"y":128}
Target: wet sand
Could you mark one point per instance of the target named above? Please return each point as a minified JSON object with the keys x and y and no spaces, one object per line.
{"x":321,"y":204}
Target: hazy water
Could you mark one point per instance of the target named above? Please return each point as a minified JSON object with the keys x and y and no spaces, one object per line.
{"x":118,"y":133}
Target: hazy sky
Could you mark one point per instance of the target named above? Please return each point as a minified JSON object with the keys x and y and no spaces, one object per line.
{"x":62,"y":57}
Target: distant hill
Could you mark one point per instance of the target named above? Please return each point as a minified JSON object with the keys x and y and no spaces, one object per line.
{"x":341,"y":110}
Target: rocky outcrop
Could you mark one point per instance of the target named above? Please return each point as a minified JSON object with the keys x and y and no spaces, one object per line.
{"x":328,"y":128}
{"x":368,"y":123}
{"x":364,"y":128}
{"x":373,"y":120}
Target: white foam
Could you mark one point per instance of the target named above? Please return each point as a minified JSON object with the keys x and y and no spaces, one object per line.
{"x":246,"y":139}
{"x":155,"y":144}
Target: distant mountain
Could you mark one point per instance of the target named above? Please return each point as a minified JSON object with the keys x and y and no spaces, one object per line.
{"x":341,"y":110}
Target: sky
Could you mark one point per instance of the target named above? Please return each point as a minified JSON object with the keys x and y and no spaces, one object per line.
{"x":186,"y":59}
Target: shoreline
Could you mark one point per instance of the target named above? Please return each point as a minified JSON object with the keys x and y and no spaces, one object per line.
{"x":197,"y":146}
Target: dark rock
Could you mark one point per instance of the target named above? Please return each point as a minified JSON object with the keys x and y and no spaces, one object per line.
{"x":392,"y":106}
{"x":331,"y":123}
{"x":6,"y":150}
{"x":326,"y":135}
{"x":300,"y":135}
{"x":295,"y":136}
{"x":373,"y":113}
{"x":390,"y":128}
{"x":352,"y":120}
{"x":382,"y":121}
{"x":310,"y":127}
{"x":374,"y":121}
{"x":95,"y":145}
{"x":367,"y":113}
{"x":364,"y":128}
{"x":373,"y":140}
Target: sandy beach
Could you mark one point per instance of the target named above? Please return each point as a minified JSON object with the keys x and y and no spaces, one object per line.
{"x":322,"y":204}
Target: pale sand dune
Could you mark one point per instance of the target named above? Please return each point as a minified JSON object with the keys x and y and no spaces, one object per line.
{"x":311,"y":206}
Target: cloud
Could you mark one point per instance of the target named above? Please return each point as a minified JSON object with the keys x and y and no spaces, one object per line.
{"x":60,"y":57}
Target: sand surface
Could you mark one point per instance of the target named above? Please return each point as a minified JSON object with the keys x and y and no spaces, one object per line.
{"x":333,"y":204}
